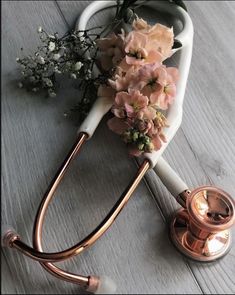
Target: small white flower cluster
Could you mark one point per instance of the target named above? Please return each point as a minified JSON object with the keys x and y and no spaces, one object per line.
{"x":56,"y":56}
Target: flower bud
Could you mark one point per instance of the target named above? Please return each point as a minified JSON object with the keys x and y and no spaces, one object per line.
{"x":73,"y":76}
{"x":40,"y":29}
{"x":135,"y":136}
{"x":41,"y":60}
{"x":51,"y":46}
{"x":141,"y":146}
{"x":78,"y":65}
{"x":56,"y":56}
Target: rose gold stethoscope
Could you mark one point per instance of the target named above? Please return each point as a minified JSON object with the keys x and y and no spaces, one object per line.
{"x":201,"y":229}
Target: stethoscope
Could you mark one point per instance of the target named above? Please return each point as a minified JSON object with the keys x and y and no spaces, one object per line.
{"x":200,"y":229}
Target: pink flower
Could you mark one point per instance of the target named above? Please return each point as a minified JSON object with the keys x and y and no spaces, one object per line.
{"x":118,"y":125}
{"x":158,"y":35}
{"x":140,"y":84}
{"x":163,"y":38}
{"x":112,"y":48}
{"x":159,"y":122}
{"x":147,"y":113}
{"x":168,"y":93}
{"x":139,"y":50}
{"x":149,"y":78}
{"x":129,"y":104}
{"x":140,"y":24}
{"x":158,"y":83}
{"x":145,"y":125}
{"x":123,"y":79}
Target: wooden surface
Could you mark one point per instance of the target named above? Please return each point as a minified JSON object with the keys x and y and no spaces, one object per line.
{"x":136,"y":251}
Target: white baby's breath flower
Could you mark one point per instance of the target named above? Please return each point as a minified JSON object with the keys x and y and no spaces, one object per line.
{"x":51,"y":93}
{"x":56,"y":56}
{"x":20,"y":84}
{"x":58,"y":71}
{"x":51,"y":46}
{"x":73,"y":76}
{"x":48,"y":82}
{"x":41,"y":60}
{"x":17,"y":59}
{"x":78,"y":65}
{"x":40,"y":29}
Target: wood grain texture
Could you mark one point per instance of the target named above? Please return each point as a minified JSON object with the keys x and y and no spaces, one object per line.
{"x":203,"y":150}
{"x":136,"y":251}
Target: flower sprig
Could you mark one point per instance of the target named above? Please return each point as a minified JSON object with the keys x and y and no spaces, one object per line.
{"x":60,"y":56}
{"x":141,"y":86}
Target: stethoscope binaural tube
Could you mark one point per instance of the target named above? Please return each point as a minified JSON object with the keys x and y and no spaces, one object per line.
{"x":91,"y":283}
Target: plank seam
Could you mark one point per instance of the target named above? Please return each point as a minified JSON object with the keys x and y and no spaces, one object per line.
{"x":195,"y":155}
{"x":9,"y":269}
{"x":62,"y":14}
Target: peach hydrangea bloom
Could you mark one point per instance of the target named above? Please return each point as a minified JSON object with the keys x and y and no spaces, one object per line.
{"x":140,"y":24}
{"x":140,"y":85}
{"x":118,"y":125}
{"x":129,"y":104}
{"x":113,"y":50}
{"x":149,"y":79}
{"x":166,"y":97}
{"x":158,"y":83}
{"x":140,"y":50}
{"x":158,"y":35}
{"x":123,"y":80}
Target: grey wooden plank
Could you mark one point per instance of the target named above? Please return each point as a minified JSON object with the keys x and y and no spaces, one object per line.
{"x":136,"y":252}
{"x":7,"y":284}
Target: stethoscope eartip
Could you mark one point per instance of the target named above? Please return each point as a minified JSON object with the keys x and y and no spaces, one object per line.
{"x":102,"y":285}
{"x":8,"y":235}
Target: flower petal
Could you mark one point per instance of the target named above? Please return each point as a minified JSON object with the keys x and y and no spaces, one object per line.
{"x":117,"y":125}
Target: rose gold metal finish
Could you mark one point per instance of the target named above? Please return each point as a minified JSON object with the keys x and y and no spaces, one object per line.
{"x":201,"y":231}
{"x":58,"y":256}
{"x":9,"y":238}
{"x":45,"y":259}
{"x":93,"y":284}
{"x":182,"y":197}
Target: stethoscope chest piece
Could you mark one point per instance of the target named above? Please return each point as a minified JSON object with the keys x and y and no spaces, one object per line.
{"x":202,"y":231}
